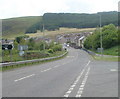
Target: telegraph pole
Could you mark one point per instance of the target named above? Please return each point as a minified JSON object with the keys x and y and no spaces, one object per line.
{"x":101,"y":45}
{"x":43,"y":37}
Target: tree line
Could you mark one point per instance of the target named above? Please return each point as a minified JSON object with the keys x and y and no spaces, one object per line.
{"x":109,"y":35}
{"x":53,"y":21}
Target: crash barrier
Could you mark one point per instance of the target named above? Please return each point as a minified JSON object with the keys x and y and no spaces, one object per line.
{"x":30,"y":61}
{"x":94,"y":54}
{"x":89,"y":52}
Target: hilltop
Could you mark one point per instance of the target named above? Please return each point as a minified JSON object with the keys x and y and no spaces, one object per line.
{"x":17,"y":26}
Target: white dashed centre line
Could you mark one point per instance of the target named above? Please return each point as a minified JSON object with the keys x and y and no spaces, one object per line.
{"x":24,"y":77}
{"x":56,"y":66}
{"x":113,"y":70}
{"x":46,"y":70}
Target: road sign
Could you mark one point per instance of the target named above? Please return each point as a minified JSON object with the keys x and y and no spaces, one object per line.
{"x":99,"y":49}
{"x":21,"y":53}
{"x":7,"y":47}
{"x":22,"y":47}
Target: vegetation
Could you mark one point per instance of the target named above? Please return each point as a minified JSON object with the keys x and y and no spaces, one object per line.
{"x":112,"y":51}
{"x":53,"y":21}
{"x":35,"y":50}
{"x":106,"y":58}
{"x":31,"y":64}
{"x":14,"y":27}
{"x":109,"y":39}
{"x":53,"y":34}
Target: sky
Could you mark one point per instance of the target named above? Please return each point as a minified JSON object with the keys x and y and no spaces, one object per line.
{"x":19,"y":8}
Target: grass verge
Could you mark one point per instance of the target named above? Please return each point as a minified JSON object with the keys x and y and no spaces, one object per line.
{"x":104,"y":58}
{"x":112,"y":51}
{"x":5,"y":68}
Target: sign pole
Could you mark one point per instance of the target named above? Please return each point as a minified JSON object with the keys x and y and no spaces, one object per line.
{"x":2,"y":56}
{"x":10,"y":55}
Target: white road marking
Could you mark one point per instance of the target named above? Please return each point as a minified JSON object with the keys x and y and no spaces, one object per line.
{"x":46,"y":70}
{"x":76,"y":81}
{"x":24,"y":77}
{"x":80,"y":91}
{"x":70,"y":56}
{"x":113,"y":70}
{"x":56,"y":66}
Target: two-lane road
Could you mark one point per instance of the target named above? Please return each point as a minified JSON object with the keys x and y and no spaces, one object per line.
{"x":76,"y":75}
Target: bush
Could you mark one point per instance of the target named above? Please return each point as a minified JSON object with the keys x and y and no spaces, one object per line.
{"x":50,"y":51}
{"x":109,"y":38}
{"x":57,"y":48}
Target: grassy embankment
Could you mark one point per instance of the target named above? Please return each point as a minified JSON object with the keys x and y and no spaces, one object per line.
{"x":58,"y":53}
{"x":34,"y":55}
{"x":113,"y":54}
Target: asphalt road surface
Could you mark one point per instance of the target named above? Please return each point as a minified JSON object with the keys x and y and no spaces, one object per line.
{"x":76,"y":75}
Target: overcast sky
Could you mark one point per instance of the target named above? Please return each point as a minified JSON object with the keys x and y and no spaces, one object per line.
{"x":18,"y":8}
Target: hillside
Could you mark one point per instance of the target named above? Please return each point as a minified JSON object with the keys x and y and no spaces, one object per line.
{"x":17,"y":26}
{"x":80,"y":20}
{"x":54,"y":21}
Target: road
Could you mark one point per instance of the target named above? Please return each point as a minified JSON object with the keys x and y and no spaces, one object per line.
{"x":76,"y":75}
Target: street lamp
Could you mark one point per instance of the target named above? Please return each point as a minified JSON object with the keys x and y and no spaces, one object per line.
{"x":101,"y":45}
{"x":43,"y":38}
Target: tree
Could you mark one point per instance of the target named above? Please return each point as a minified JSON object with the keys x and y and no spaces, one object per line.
{"x":31,"y":44}
{"x":109,"y":38}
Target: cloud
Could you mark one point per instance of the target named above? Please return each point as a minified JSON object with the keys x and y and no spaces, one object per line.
{"x":17,"y":8}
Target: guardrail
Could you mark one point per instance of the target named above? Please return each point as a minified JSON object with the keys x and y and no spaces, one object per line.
{"x":94,"y":54}
{"x":30,"y":61}
{"x":89,"y":52}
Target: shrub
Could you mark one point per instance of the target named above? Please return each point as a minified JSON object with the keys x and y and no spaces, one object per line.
{"x":57,"y":48}
{"x":50,"y":51}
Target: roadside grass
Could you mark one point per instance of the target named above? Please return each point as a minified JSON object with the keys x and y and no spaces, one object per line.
{"x":0,"y":54}
{"x":111,"y":54}
{"x":104,"y":58}
{"x":112,"y":51}
{"x":15,"y":57}
{"x":5,"y":68}
{"x":52,"y":34}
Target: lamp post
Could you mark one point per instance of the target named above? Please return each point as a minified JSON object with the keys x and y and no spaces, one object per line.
{"x":101,"y":45}
{"x":43,"y":38}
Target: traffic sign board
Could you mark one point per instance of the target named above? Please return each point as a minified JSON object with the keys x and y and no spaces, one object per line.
{"x":7,"y":47}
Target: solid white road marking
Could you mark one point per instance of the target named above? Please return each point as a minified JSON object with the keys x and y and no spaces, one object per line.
{"x":80,"y":91}
{"x":76,"y":81}
{"x":24,"y":77}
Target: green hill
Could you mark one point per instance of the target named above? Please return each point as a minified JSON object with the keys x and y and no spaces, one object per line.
{"x":53,"y":21}
{"x":17,"y":26}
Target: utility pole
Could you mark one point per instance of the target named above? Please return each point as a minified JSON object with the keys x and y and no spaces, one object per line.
{"x":101,"y":45}
{"x":43,"y":37}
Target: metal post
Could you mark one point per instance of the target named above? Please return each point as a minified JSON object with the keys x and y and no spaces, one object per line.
{"x":10,"y":55}
{"x":101,"y":45}
{"x":2,"y":56}
{"x":43,"y":38}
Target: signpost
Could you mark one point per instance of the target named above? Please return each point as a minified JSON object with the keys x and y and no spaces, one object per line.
{"x":8,"y":47}
{"x":22,"y":49}
{"x":100,"y":50}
